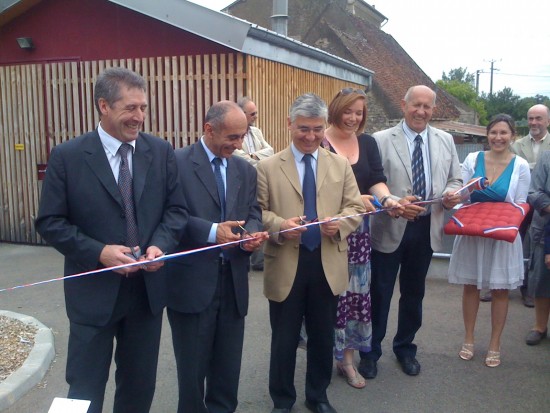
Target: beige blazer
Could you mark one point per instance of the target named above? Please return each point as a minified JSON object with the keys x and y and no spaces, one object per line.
{"x":524,"y":148}
{"x":263,"y":149}
{"x":387,"y":232}
{"x":280,"y":197}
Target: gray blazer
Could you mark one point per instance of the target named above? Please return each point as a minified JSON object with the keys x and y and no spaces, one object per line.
{"x":524,"y":148}
{"x":386,"y":232}
{"x":539,"y":196}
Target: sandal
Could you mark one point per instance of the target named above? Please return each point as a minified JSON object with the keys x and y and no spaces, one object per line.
{"x":467,"y":351}
{"x":357,"y":381}
{"x":492,"y":359}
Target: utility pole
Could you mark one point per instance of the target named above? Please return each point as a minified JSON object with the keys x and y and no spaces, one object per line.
{"x":492,"y":70}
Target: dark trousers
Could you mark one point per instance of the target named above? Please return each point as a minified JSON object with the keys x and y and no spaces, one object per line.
{"x":311,"y":299}
{"x":526,"y":240}
{"x":208,"y":345}
{"x":137,"y":334}
{"x":413,"y":255}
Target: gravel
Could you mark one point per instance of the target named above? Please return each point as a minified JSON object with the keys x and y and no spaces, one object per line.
{"x":16,"y":342}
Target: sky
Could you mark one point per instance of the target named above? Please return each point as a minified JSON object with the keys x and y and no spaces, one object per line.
{"x":441,"y":35}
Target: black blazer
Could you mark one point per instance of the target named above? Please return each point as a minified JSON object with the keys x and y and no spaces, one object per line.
{"x":81,"y":211}
{"x":193,"y":278}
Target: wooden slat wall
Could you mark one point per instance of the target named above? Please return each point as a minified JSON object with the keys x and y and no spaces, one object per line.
{"x":274,"y":86}
{"x":21,"y":123}
{"x":43,"y":105}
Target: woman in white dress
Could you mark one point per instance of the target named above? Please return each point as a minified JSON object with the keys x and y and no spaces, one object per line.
{"x":479,"y":262}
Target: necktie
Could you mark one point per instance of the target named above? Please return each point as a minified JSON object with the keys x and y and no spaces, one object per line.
{"x":419,"y":180}
{"x":312,"y":237}
{"x":221,"y":187}
{"x":125,"y":187}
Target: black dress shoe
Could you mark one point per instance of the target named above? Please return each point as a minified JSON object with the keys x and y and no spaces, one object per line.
{"x":321,"y":407}
{"x":410,"y":365}
{"x":280,"y":410}
{"x":367,"y":368}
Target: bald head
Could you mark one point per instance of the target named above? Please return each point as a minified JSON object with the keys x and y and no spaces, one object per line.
{"x":418,"y":106}
{"x":538,"y":119}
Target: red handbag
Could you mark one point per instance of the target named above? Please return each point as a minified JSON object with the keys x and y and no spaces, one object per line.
{"x":497,"y":220}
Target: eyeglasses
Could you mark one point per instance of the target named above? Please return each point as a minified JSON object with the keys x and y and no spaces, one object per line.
{"x":348,"y":90}
{"x":305,"y":130}
{"x":253,"y":114}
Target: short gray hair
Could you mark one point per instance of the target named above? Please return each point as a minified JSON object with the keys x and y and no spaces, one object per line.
{"x":109,"y":81}
{"x":243,"y":101}
{"x":308,"y":105}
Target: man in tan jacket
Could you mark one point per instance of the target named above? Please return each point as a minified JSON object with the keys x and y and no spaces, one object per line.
{"x":305,"y":267}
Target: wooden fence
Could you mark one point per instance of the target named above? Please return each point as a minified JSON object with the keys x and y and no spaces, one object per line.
{"x":42,"y":105}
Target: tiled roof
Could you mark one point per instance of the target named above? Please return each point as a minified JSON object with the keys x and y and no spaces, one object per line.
{"x":395,"y":71}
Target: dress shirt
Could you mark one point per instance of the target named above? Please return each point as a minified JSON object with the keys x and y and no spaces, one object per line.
{"x":411,"y":135}
{"x":536,"y":145}
{"x":300,"y":164}
{"x":111,"y":146}
{"x":223,"y":170}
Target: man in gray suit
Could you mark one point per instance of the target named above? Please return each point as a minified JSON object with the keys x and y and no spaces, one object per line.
{"x":419,"y":162}
{"x":208,"y":291}
{"x":530,"y":148}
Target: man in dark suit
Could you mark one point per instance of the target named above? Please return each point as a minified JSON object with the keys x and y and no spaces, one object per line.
{"x":85,"y":214}
{"x":208,"y":292}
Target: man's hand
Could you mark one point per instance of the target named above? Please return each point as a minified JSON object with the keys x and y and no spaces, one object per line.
{"x":114,"y":255}
{"x":225,"y":233}
{"x":329,"y":227}
{"x":449,"y":200}
{"x":253,"y":241}
{"x":152,"y":253}
{"x":410,"y":211}
{"x":292,"y":223}
{"x":396,"y":210}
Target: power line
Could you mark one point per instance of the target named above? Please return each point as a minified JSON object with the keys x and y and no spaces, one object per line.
{"x":522,"y":75}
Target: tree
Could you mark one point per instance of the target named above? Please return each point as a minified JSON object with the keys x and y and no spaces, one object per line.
{"x":461,"y":75}
{"x":461,"y":85}
{"x":503,"y":101}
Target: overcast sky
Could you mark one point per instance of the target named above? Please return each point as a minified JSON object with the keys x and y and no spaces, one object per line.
{"x":444,"y":34}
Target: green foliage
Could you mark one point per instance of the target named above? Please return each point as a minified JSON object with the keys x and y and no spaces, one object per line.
{"x":463,"y":91}
{"x":461,"y":85}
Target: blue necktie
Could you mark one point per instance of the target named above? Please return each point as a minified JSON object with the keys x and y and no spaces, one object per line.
{"x":221,"y":186}
{"x":126,"y":190}
{"x":419,"y":180}
{"x":312,"y":237}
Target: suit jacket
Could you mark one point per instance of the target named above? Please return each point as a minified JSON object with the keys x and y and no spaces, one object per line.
{"x":81,"y":210}
{"x":193,"y":278}
{"x":524,"y":148}
{"x":539,"y":197}
{"x":387,"y":232}
{"x":280,"y":197}
{"x":263,"y":149}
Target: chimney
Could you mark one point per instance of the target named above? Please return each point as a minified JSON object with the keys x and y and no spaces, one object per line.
{"x":279,"y":19}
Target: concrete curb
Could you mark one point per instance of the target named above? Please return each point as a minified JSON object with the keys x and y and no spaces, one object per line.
{"x":35,"y":366}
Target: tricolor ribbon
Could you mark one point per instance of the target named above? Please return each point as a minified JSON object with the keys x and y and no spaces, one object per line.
{"x":166,"y":257}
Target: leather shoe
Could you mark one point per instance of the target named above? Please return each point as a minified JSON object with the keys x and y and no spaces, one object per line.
{"x":367,"y":368}
{"x":410,"y":366}
{"x":528,"y":301}
{"x":280,"y":410}
{"x":534,"y":337}
{"x":321,"y":407}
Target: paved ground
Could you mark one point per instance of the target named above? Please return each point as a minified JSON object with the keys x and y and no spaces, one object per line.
{"x":446,"y":384}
